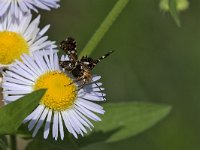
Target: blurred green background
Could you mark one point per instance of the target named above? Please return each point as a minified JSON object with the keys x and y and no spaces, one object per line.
{"x":154,"y":61}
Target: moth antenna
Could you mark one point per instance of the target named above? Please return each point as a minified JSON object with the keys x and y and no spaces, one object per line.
{"x":103,"y":57}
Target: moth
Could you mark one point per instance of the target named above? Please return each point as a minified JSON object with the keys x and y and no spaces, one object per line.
{"x":79,"y":68}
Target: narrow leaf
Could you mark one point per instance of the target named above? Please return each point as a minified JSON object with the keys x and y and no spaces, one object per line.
{"x":13,"y":114}
{"x":124,"y":120}
{"x":174,"y":12}
{"x":104,"y":27}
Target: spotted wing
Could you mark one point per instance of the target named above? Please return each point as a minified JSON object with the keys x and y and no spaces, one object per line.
{"x":88,"y":62}
{"x":67,"y":65}
{"x":69,"y":47}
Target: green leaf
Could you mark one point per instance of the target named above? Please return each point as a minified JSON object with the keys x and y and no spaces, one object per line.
{"x":174,"y":12}
{"x":51,"y":144}
{"x":43,"y":145}
{"x":13,"y":114}
{"x":129,"y":119}
{"x":121,"y":120}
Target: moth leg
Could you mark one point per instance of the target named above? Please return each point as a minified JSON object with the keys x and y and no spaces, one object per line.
{"x":83,"y":83}
{"x":77,"y":80}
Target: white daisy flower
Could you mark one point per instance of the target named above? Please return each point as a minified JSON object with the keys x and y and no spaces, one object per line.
{"x":15,"y":7}
{"x":18,"y":37}
{"x":63,"y":105}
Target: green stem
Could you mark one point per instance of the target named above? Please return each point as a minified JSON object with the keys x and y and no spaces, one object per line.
{"x":13,"y":143}
{"x":104,"y":27}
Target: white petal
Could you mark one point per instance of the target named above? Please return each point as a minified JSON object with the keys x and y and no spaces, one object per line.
{"x":91,"y":92}
{"x":62,"y":58}
{"x":36,"y":117}
{"x":12,"y":98}
{"x":91,"y":106}
{"x":73,"y":124}
{"x":67,"y":124}
{"x":43,"y":31}
{"x":16,"y":81}
{"x":21,"y":92}
{"x":90,"y":97}
{"x":27,"y":68}
{"x":82,"y":121}
{"x":47,"y":125}
{"x":33,"y":65}
{"x":13,"y":86}
{"x":32,"y":114}
{"x":47,"y":62}
{"x":56,"y":62}
{"x":55,"y":125}
{"x":96,"y":78}
{"x":52,"y":61}
{"x":40,"y":122}
{"x":22,"y":73}
{"x":77,"y":122}
{"x":14,"y":75}
{"x":61,"y":126}
{"x":87,"y":113}
{"x":83,"y":117}
{"x":40,"y":61}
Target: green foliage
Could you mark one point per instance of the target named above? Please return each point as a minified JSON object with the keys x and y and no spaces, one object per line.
{"x":154,"y":61}
{"x":130,"y":118}
{"x":104,"y":27}
{"x":174,"y":12}
{"x":13,"y":114}
{"x":121,"y":121}
{"x":124,"y":120}
{"x":51,"y":145}
{"x":174,"y":7}
{"x":181,"y":5}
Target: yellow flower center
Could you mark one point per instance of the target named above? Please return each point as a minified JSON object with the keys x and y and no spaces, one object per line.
{"x":12,"y":46}
{"x":61,"y":91}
